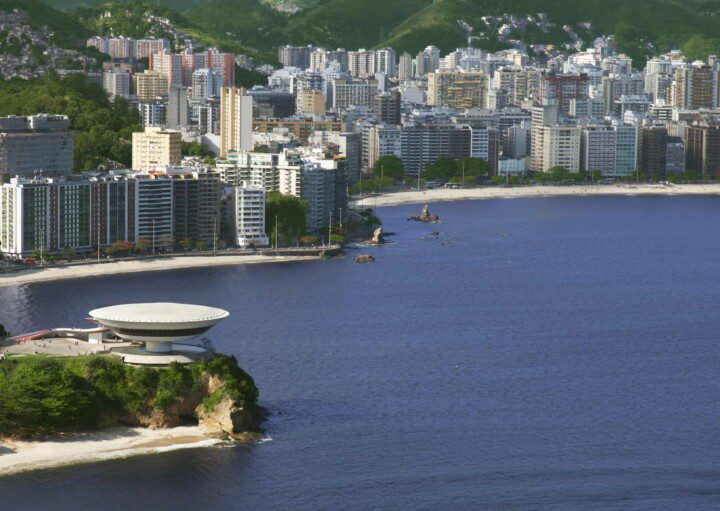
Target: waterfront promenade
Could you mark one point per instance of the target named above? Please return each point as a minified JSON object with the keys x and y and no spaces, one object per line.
{"x":159,"y":263}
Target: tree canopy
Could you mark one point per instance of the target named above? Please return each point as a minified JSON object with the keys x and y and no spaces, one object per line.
{"x":43,"y":396}
{"x":390,"y":167}
{"x":102,"y":128}
{"x":196,"y":149}
{"x":448,"y":169}
{"x":290,"y":213}
{"x":560,"y":174}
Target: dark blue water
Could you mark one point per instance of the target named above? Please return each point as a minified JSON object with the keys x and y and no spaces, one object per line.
{"x":539,"y":354}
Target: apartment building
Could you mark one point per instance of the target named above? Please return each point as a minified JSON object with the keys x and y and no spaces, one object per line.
{"x":302,"y":128}
{"x":117,"y":82}
{"x":382,"y":140}
{"x":236,"y":120}
{"x":38,"y":144}
{"x":347,"y":93}
{"x":155,"y":147}
{"x":421,"y":145}
{"x":598,"y":149}
{"x":559,"y":146}
{"x":149,"y":85}
{"x":249,"y":215}
{"x":388,"y":108}
{"x":703,"y":149}
{"x":653,"y":151}
{"x":196,"y":204}
{"x":562,"y":88}
{"x":457,"y":90}
{"x":696,"y":86}
{"x":626,"y":148}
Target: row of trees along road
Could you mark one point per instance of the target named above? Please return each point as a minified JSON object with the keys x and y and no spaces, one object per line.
{"x":389,"y":171}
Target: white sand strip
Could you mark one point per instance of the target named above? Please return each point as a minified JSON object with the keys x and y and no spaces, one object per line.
{"x":446,"y":194}
{"x":116,"y":267}
{"x":21,"y":456}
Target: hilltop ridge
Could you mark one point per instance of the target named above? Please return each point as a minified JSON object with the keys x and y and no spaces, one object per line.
{"x":410,"y":25}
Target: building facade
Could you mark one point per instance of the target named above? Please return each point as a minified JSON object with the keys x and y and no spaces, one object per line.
{"x":38,"y":144}
{"x":236,"y":120}
{"x":155,"y":147}
{"x":249,"y":216}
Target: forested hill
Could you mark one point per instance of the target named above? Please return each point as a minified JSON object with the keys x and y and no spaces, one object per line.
{"x":641,"y":26}
{"x":68,"y":32}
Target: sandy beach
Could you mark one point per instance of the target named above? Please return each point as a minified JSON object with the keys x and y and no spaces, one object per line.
{"x":446,"y":194}
{"x":116,"y":267}
{"x":20,"y":456}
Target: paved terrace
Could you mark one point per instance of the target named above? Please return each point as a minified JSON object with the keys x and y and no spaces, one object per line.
{"x":131,"y":353}
{"x":59,"y":347}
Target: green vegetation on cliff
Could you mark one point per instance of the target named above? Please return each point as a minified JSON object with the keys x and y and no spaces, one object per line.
{"x":102,"y":128}
{"x":56,"y":395}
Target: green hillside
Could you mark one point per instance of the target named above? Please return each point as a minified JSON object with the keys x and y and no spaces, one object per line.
{"x":126,"y":19}
{"x":664,"y":23}
{"x":350,"y":23}
{"x":641,"y":26}
{"x":67,"y":31}
{"x":249,"y":22}
{"x":129,"y":19}
{"x":70,"y":5}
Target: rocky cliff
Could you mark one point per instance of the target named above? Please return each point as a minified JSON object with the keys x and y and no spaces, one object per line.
{"x":40,"y":396}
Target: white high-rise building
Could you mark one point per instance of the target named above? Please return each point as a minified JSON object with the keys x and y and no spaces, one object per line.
{"x":169,"y":64}
{"x":249,"y":215}
{"x":116,"y":82}
{"x":206,"y":83}
{"x":560,"y":148}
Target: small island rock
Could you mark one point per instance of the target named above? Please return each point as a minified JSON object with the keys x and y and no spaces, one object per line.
{"x":378,"y":238}
{"x":425,"y":216}
{"x":365,"y":258}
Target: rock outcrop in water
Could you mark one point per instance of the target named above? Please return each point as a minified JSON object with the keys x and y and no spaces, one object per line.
{"x":378,"y":238}
{"x":365,"y":258}
{"x":425,"y":216}
{"x":226,"y":417}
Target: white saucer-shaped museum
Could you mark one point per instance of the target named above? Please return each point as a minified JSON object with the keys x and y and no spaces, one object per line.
{"x":158,"y":325}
